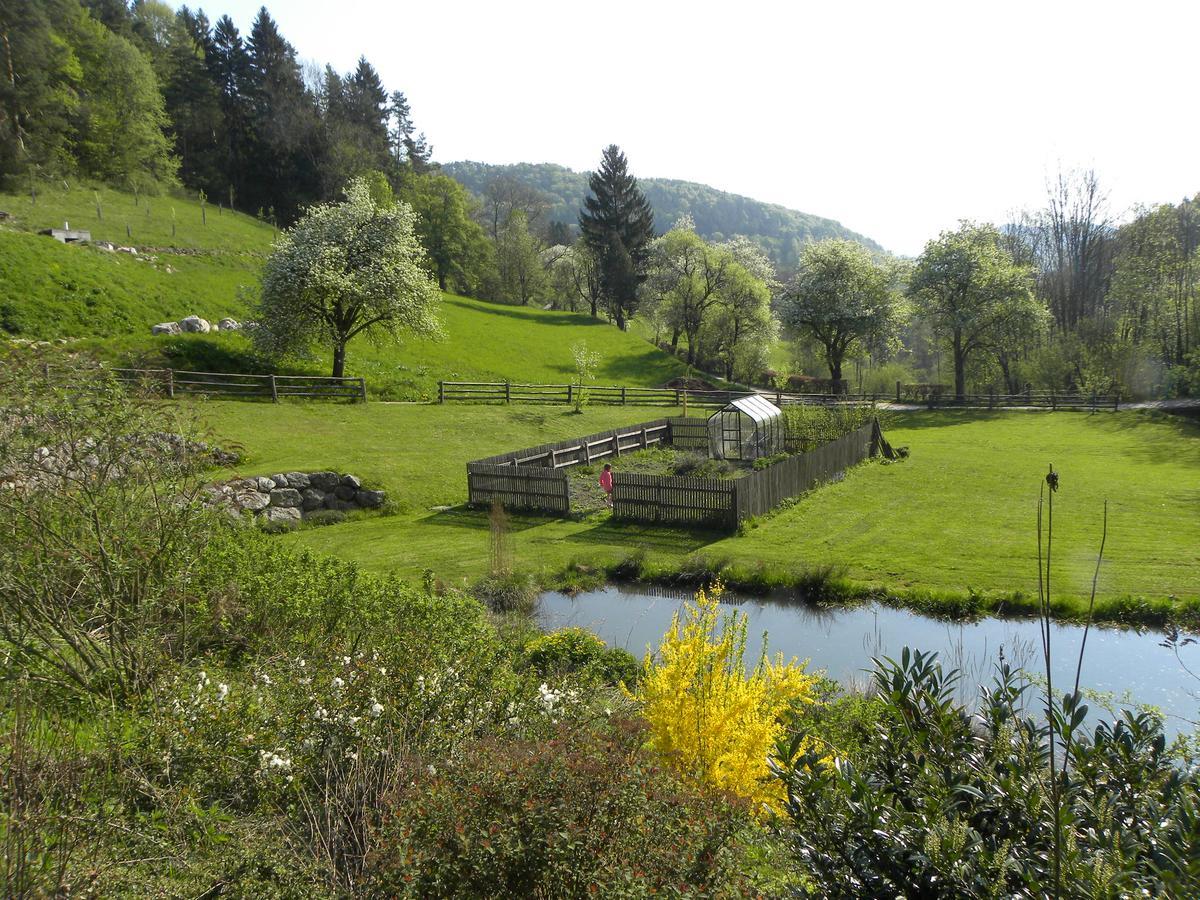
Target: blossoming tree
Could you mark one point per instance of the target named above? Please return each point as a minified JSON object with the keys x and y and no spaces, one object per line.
{"x":346,"y":269}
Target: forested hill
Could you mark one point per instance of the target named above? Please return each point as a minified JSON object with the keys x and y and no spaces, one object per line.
{"x":717,"y":214}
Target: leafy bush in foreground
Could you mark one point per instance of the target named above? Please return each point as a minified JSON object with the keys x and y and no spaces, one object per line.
{"x":585,"y":814}
{"x":951,"y":803}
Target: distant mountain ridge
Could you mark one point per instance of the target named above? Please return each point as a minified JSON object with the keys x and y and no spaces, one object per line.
{"x":719,"y":215}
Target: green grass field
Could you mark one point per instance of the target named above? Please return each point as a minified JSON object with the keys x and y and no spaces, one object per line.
{"x":49,"y":290}
{"x":957,"y":516}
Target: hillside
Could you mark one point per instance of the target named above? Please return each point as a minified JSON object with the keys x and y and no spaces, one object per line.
{"x":50,"y":290}
{"x":189,"y":261}
{"x":718,"y":215}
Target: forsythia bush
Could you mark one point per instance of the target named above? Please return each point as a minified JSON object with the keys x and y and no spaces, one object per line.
{"x":709,"y":718}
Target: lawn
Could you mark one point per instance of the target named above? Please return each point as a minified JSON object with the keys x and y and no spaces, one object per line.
{"x":958,"y":515}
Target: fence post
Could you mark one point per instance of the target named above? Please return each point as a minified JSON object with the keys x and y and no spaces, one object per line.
{"x":1028,"y":392}
{"x":1053,"y":402}
{"x":616,"y":445}
{"x":171,"y":384}
{"x":643,"y":441}
{"x":779,"y":399}
{"x":507,"y":392}
{"x":362,"y":389}
{"x":441,"y":392}
{"x":622,"y":395}
{"x":992,"y":398}
{"x":897,"y":392}
{"x":570,"y":394}
{"x":274,"y":390}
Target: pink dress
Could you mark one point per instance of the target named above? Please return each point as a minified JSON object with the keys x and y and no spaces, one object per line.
{"x":606,"y":481}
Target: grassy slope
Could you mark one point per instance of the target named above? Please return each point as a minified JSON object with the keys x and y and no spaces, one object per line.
{"x":958,"y":515}
{"x":50,"y":290}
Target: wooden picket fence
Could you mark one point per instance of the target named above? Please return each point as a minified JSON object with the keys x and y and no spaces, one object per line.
{"x":535,"y":479}
{"x":172,"y":383}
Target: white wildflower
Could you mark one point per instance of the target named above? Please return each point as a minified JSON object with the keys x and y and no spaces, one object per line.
{"x":376,"y":710}
{"x":338,"y":684}
{"x":222,"y":691}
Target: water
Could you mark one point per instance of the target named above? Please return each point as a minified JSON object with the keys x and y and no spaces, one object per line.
{"x":1126,"y":665}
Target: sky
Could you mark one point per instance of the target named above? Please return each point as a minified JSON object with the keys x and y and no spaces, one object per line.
{"x":897,"y":119}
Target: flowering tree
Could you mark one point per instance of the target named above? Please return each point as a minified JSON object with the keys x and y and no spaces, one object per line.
{"x":343,"y":270}
{"x":708,"y":718}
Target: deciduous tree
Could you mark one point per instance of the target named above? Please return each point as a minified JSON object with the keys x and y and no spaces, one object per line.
{"x":346,"y":269}
{"x":970,"y":290}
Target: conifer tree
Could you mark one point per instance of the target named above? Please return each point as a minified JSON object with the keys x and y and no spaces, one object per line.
{"x":617,"y":225}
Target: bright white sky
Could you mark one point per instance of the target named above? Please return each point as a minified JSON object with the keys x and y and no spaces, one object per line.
{"x":895,"y":118}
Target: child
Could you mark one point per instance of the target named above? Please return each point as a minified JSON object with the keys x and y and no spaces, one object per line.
{"x":606,"y":483}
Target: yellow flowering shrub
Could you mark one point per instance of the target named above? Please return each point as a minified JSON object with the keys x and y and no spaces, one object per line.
{"x":709,"y":718}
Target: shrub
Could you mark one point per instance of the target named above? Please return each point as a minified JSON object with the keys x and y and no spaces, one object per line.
{"x":943,"y":800}
{"x":709,"y":719}
{"x":587,"y":813}
{"x":565,"y":651}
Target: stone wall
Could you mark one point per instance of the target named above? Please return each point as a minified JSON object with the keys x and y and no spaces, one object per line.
{"x":292,"y":496}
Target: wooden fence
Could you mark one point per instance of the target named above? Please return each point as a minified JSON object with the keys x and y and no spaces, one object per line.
{"x":514,"y":392}
{"x":932,"y":398}
{"x":532,"y":479}
{"x":173,"y":383}
{"x":723,"y":503}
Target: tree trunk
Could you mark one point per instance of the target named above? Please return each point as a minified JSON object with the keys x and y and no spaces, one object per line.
{"x":339,"y":360}
{"x":960,"y":368}
{"x":620,"y":317}
{"x":441,"y":278}
{"x":834,"y":360}
{"x":595,"y":313}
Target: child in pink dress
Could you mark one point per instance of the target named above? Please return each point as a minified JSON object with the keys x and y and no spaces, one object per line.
{"x":606,"y":483}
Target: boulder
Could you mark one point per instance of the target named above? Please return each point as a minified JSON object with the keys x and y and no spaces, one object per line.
{"x":285,"y":497}
{"x":310,"y":499}
{"x":370,"y":499}
{"x":266,"y":484}
{"x":166,"y":328}
{"x":280,"y":480}
{"x":351,"y":481}
{"x":228,"y":324}
{"x":323,"y":481}
{"x":335,"y":502}
{"x":297,"y":480}
{"x":253,"y":500}
{"x":195,"y":325}
{"x":345,"y":492}
{"x":286,"y":514}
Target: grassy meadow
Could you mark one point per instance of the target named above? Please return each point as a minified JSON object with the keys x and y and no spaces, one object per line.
{"x":956,"y":518}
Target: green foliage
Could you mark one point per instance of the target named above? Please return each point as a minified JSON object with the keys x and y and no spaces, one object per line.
{"x":844,"y":299}
{"x":462,"y":257}
{"x":576,"y":651}
{"x":973,"y":294}
{"x":954,"y":803}
{"x":778,"y":231}
{"x":585,"y":813}
{"x":343,"y":270}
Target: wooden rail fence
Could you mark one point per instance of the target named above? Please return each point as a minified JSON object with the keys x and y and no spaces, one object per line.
{"x":607,"y":395}
{"x":1053,"y":400}
{"x":174,"y":383}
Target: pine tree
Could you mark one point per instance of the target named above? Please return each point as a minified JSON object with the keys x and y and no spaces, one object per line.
{"x":617,"y":225}
{"x":229,"y":67}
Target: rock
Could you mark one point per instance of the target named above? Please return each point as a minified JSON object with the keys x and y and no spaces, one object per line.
{"x":166,"y":328}
{"x":310,"y":499}
{"x":132,"y":251}
{"x":266,"y":484}
{"x":285,"y":497}
{"x":351,"y":481}
{"x":242,"y":485}
{"x":297,"y":480}
{"x":228,"y":324}
{"x":195,"y":325}
{"x":370,"y":499}
{"x":287,"y":514}
{"x":345,"y":492}
{"x":335,"y":502}
{"x":440,"y":508}
{"x":253,"y":500}
{"x":323,"y":481}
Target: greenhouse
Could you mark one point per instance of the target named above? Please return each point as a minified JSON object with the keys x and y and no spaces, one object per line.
{"x":748,"y":428}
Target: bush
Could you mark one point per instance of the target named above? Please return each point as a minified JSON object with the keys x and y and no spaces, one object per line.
{"x":709,"y":720}
{"x":587,"y":813}
{"x":941,"y":800}
{"x":564,"y":652}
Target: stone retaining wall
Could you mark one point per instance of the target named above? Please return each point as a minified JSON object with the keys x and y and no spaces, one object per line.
{"x":292,"y":496}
